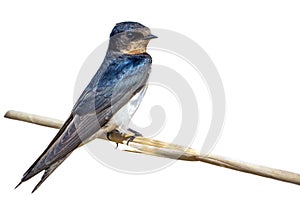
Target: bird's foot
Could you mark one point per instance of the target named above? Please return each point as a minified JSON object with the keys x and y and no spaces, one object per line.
{"x":131,"y":138}
{"x":108,"y":137}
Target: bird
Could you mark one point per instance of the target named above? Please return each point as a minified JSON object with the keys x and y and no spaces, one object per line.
{"x":109,"y":100}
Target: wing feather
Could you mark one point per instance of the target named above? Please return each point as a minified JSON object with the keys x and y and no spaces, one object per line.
{"x":109,"y":90}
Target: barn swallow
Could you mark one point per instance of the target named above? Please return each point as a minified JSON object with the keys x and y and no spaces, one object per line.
{"x":108,"y":101}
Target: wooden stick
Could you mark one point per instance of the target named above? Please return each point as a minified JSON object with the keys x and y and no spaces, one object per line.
{"x":162,"y":149}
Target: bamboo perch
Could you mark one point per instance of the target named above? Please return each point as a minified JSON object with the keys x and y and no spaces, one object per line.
{"x":162,"y":149}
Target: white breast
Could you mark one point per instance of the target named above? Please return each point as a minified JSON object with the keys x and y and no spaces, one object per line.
{"x":123,"y":117}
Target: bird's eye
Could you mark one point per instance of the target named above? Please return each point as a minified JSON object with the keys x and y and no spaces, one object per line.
{"x":130,"y":35}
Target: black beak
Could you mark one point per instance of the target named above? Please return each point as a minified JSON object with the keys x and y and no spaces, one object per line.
{"x":149,"y":37}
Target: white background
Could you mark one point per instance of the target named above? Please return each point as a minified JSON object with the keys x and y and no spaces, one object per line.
{"x":255,"y":46}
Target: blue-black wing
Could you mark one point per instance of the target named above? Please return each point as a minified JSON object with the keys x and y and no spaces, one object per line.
{"x":110,"y":89}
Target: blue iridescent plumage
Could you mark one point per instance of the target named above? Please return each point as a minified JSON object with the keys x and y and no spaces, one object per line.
{"x":123,"y":74}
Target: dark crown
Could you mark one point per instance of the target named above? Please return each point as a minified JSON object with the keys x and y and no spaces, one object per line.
{"x":125,"y":26}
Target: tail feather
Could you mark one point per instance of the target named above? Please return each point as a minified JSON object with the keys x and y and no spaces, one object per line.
{"x":33,"y":170}
{"x":19,"y":184}
{"x":48,"y":172}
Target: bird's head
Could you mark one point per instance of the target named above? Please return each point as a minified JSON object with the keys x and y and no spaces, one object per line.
{"x":130,"y":38}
